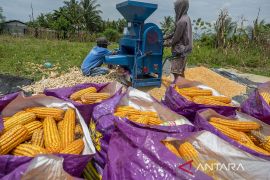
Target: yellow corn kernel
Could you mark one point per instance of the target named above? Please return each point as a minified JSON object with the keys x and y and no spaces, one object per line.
{"x":32,"y":126}
{"x":43,"y":112}
{"x":77,"y":95}
{"x":188,"y":153}
{"x":29,"y":150}
{"x":76,"y":147}
{"x":38,"y":138}
{"x":266,"y":97}
{"x":199,"y":100}
{"x":154,"y":121}
{"x":171,"y":148}
{"x":222,"y":99}
{"x":21,"y":119}
{"x":78,"y":131}
{"x":68,"y":131}
{"x":51,"y":135}
{"x":194,"y":92}
{"x":244,"y":126}
{"x":91,"y":98}
{"x":12,"y":138}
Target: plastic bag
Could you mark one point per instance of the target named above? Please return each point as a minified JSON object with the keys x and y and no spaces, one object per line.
{"x":13,"y":166}
{"x":201,"y":122}
{"x":103,"y":123}
{"x":256,"y":106}
{"x":222,"y":160}
{"x":182,"y":106}
{"x":137,"y":153}
{"x":85,"y":109}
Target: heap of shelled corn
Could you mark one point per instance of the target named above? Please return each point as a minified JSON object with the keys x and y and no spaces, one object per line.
{"x":89,"y":96}
{"x":244,"y":132}
{"x":203,"y":96}
{"x":41,"y":130}
{"x":141,"y":117}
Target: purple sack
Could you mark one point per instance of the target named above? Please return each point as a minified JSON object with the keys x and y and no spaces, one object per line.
{"x":5,"y":100}
{"x":103,"y":124}
{"x":182,"y":106}
{"x":85,"y":109}
{"x":256,"y":106}
{"x":138,"y":153}
{"x":201,"y":122}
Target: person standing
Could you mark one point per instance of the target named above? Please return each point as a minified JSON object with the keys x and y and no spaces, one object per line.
{"x":181,"y":40}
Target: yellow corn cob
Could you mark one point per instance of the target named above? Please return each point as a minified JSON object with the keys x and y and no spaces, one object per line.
{"x":60,"y":127}
{"x":154,"y":121}
{"x":194,"y":92}
{"x":188,"y":153}
{"x":19,"y":113}
{"x":257,"y":149}
{"x":171,"y":148}
{"x":222,"y":99}
{"x":91,"y":98}
{"x":253,"y":139}
{"x":266,"y":97}
{"x":199,"y":100}
{"x":69,"y":123}
{"x":264,"y":141}
{"x":29,"y":150}
{"x":12,"y":138}
{"x":76,"y":147}
{"x":235,"y":135}
{"x":38,"y":138}
{"x":51,"y":135}
{"x":5,"y":119}
{"x":77,"y":95}
{"x":187,"y":97}
{"x":78,"y":131}
{"x":43,"y":112}
{"x":53,"y":148}
{"x":31,"y":127}
{"x":21,"y":119}
{"x":244,"y":126}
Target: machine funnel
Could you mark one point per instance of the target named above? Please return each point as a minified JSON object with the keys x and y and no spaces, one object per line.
{"x":134,"y":11}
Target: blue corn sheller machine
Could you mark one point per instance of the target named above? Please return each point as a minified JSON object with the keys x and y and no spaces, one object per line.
{"x":141,"y":47}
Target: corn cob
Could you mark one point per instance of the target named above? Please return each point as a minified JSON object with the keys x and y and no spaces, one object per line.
{"x":19,"y":113}
{"x":43,"y":112}
{"x":78,"y":131}
{"x":188,"y":153}
{"x":69,"y":123}
{"x":253,"y":139}
{"x":5,"y":119}
{"x":266,"y":97}
{"x":91,"y":98}
{"x":199,"y":100}
{"x":222,"y":99}
{"x":60,"y":127}
{"x":29,"y":150}
{"x":193,"y":92}
{"x":38,"y":138}
{"x":264,"y":141}
{"x":187,"y":97}
{"x":244,"y":126}
{"x":21,"y":119}
{"x":12,"y":138}
{"x":171,"y":148}
{"x":77,"y":95}
{"x":51,"y":135}
{"x":141,"y":120}
{"x":76,"y":147}
{"x":154,"y":121}
{"x":31,"y":127}
{"x":235,"y":135}
{"x":257,"y":149}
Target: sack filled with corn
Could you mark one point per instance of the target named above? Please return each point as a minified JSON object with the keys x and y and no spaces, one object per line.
{"x":136,"y":153}
{"x":207,"y":152}
{"x":187,"y":97}
{"x":242,"y":131}
{"x":258,"y":103}
{"x":47,"y":127}
{"x":86,"y":96}
{"x":138,"y":109}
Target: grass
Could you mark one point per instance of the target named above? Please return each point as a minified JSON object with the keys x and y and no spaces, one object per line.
{"x":25,"y":56}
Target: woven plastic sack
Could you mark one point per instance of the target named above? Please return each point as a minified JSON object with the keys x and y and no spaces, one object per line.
{"x":103,"y":123}
{"x":187,"y":108}
{"x":86,"y":110}
{"x":12,"y":167}
{"x":256,"y":106}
